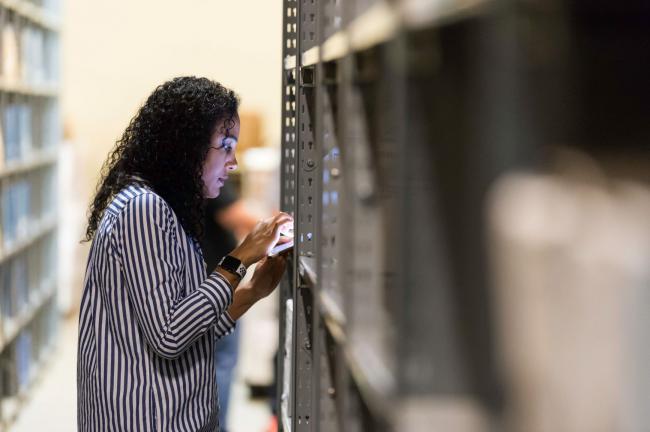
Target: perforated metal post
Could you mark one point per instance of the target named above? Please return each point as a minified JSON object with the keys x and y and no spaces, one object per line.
{"x":307,"y":220}
{"x":284,"y":375}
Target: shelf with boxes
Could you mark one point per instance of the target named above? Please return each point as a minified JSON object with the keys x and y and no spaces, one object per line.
{"x":423,"y":14}
{"x":372,"y":26}
{"x":24,"y":357}
{"x":42,"y":90}
{"x":28,"y":127}
{"x":15,"y":322}
{"x":44,"y":15}
{"x":30,"y":163}
{"x":380,"y":22}
{"x":377,"y":24}
{"x":36,"y":231}
{"x":29,"y":136}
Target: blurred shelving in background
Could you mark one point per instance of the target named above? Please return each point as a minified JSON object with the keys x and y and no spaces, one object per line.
{"x":29,"y":137}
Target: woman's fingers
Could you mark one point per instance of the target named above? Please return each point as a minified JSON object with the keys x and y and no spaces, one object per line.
{"x":280,"y":221}
{"x":282,"y":217}
{"x":263,"y":237}
{"x":284,"y":239}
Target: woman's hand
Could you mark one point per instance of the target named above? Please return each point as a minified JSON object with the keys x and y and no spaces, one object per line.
{"x":261,"y":240}
{"x":266,"y":277}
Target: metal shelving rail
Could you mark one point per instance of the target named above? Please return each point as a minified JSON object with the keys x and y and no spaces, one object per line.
{"x":29,"y":116}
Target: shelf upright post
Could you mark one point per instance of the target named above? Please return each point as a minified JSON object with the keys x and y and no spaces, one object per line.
{"x":284,"y":367}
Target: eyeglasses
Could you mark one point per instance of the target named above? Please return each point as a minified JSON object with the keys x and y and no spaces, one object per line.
{"x":228,"y":143}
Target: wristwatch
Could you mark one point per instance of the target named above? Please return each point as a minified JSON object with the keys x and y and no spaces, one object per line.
{"x":233,"y":265}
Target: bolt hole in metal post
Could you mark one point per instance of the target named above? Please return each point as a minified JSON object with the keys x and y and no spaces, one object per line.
{"x":307,"y":76}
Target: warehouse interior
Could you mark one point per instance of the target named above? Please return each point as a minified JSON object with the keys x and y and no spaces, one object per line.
{"x":469,"y":182}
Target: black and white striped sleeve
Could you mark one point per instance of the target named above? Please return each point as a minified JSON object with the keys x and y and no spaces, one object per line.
{"x":153,"y":263}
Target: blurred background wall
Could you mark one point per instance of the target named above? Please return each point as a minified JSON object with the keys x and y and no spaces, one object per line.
{"x":115,"y":53}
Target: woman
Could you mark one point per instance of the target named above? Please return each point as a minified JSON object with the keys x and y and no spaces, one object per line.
{"x":150,"y":312}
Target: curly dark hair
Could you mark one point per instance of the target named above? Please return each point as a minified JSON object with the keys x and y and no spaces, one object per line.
{"x":166,"y":144}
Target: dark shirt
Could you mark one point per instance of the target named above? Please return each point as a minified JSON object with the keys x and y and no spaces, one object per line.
{"x":217,"y":241}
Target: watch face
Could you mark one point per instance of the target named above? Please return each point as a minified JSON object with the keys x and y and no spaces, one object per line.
{"x":231,"y":261}
{"x":233,"y":265}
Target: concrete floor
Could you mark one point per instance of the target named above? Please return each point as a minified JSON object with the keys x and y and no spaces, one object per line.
{"x":52,"y":402}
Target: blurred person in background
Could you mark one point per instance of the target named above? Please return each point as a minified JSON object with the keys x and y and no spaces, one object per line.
{"x":149,"y":311}
{"x":226,"y":221}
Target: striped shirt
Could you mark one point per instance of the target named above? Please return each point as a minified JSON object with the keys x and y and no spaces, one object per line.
{"x":149,"y":318}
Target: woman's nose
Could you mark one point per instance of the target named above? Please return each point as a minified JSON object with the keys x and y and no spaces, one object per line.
{"x":233,"y":164}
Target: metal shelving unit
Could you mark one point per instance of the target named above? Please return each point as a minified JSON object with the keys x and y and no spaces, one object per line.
{"x":30,"y":128}
{"x":352,"y":182}
{"x":28,"y":164}
{"x":399,"y":117}
{"x":40,"y":15}
{"x":13,"y":327}
{"x":36,"y":232}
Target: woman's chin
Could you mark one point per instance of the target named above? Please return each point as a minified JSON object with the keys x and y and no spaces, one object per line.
{"x":212,"y":192}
